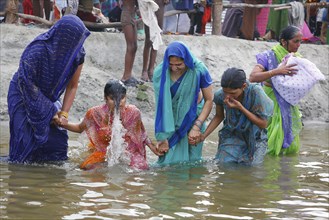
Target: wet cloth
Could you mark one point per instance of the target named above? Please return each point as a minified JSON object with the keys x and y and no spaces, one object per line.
{"x":147,"y":9}
{"x":285,"y":124}
{"x":176,"y":104}
{"x":46,"y":67}
{"x":99,"y":121}
{"x":241,"y":141}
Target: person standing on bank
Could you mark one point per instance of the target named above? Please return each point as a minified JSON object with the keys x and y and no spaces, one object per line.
{"x":50,"y":65}
{"x":183,"y":91}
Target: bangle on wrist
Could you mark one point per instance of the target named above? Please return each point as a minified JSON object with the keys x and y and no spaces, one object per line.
{"x":64,"y":114}
{"x":198,"y":123}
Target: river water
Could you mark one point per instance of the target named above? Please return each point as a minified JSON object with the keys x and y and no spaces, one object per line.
{"x":294,"y":187}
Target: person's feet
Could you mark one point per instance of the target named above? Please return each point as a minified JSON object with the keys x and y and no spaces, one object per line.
{"x":131,"y":82}
{"x":145,"y":76}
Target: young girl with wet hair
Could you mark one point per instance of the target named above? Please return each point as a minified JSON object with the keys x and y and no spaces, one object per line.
{"x":245,"y":108}
{"x":98,"y":124}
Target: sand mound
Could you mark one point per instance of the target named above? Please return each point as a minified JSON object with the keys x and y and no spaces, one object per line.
{"x":105,"y":60}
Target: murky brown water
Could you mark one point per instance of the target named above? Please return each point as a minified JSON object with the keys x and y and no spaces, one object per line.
{"x":283,"y":188}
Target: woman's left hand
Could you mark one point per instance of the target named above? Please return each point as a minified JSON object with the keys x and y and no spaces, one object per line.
{"x":194,"y":136}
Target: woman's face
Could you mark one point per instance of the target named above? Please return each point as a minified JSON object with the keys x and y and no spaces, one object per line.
{"x":234,"y":93}
{"x":293,"y":44}
{"x":111,"y":103}
{"x":176,"y":64}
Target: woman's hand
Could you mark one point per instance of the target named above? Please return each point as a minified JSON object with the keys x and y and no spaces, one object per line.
{"x":62,"y":119}
{"x":194,"y":136}
{"x":232,"y":103}
{"x":285,"y":69}
{"x":163,"y":146}
{"x":55,"y":120}
{"x":155,"y":149}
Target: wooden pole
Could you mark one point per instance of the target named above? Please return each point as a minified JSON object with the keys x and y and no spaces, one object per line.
{"x":88,"y":24}
{"x":217,"y":10}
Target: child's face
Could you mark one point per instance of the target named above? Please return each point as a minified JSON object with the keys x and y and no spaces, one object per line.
{"x":111,"y":103}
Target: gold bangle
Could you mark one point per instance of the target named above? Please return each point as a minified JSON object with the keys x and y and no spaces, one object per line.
{"x":64,"y":114}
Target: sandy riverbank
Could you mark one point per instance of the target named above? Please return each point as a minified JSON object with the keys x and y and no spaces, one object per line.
{"x":105,"y":60}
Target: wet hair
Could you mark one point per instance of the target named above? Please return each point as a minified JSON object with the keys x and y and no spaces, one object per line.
{"x":233,"y":78}
{"x":288,"y":33}
{"x":116,"y":89}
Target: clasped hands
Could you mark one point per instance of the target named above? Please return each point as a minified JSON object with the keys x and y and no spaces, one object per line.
{"x":60,"y":119}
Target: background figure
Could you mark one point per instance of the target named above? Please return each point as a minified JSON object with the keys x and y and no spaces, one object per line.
{"x":196,"y":18}
{"x":175,"y":23}
{"x":11,"y":9}
{"x":98,"y":124}
{"x":245,"y":109}
{"x":85,"y":10}
{"x":285,"y":124}
{"x":112,"y":10}
{"x":248,"y":27}
{"x":183,"y":93}
{"x":277,"y":20}
{"x":149,"y":54}
{"x":233,"y":20}
{"x":262,"y":19}
{"x":324,"y":27}
{"x":27,"y":9}
{"x":49,"y":65}
{"x":42,"y":8}
{"x":206,"y":16}
{"x":130,"y":31}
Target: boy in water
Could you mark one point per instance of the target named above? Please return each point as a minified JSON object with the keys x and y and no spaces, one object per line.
{"x":98,"y":124}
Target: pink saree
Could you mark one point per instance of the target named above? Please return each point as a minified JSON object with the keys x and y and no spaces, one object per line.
{"x":99,"y":121}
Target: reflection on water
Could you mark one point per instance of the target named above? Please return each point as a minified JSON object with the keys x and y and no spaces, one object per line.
{"x":282,"y":188}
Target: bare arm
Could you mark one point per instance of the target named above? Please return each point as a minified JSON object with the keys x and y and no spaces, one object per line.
{"x":258,"y":73}
{"x":75,"y":127}
{"x":70,"y":91}
{"x":232,"y":103}
{"x":195,"y":134}
{"x":217,"y":119}
{"x":208,"y":98}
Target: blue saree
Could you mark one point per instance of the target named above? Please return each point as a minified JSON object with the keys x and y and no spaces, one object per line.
{"x":241,"y":141}
{"x":176,"y":104}
{"x":46,"y":67}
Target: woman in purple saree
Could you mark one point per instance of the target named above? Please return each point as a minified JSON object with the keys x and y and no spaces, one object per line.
{"x":50,"y":65}
{"x":285,"y":124}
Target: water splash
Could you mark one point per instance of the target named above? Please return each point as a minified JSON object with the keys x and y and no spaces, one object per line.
{"x":116,"y":151}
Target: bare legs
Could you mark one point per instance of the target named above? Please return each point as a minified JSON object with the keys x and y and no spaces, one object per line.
{"x":39,"y":6}
{"x":130,"y":31}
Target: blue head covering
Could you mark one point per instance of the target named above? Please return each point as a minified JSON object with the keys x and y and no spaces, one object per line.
{"x":165,"y":124}
{"x":46,"y":67}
